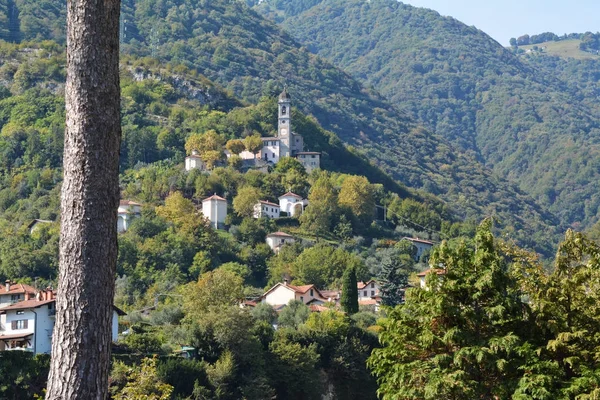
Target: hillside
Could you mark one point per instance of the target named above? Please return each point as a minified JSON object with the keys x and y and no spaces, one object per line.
{"x":250,"y":56}
{"x":563,"y":48}
{"x":464,"y":86}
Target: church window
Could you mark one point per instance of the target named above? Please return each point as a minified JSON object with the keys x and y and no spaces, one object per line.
{"x":283,"y":110}
{"x":283,"y":121}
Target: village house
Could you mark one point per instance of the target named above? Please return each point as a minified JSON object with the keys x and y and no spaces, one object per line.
{"x":283,"y":293}
{"x":310,"y":160}
{"x":36,"y":223}
{"x":276,"y":240}
{"x":11,"y":293}
{"x":423,"y":275}
{"x":266,"y":209}
{"x":292,"y":204}
{"x":128,"y":210}
{"x":421,"y":245}
{"x":29,"y":323}
{"x":367,"y":290}
{"x":214,"y":208}
{"x":194,"y":161}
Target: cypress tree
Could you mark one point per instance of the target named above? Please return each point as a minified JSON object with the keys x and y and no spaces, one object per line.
{"x":392,"y":283}
{"x":349,"y":300}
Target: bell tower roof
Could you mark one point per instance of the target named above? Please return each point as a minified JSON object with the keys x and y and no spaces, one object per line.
{"x":284,"y":96}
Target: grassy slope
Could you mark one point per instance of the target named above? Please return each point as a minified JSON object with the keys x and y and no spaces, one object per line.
{"x":561,"y":48}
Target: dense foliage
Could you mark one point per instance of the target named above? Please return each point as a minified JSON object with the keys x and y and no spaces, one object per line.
{"x":514,"y":117}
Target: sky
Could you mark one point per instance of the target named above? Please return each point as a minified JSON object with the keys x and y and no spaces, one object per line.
{"x":503,"y":19}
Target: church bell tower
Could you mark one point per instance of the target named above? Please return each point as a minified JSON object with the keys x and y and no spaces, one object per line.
{"x":284,"y":124}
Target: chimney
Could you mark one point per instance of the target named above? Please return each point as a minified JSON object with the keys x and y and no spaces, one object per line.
{"x":8,"y":285}
{"x":285,"y":282}
{"x":26,"y":295}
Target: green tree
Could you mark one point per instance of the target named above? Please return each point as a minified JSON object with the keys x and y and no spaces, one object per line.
{"x":253,"y":144}
{"x":357,"y":195}
{"x":349,"y":300}
{"x":294,"y":314}
{"x":463,"y":336}
{"x":323,"y":208}
{"x":393,"y":281}
{"x":235,"y":146}
{"x":144,"y":383}
{"x":246,"y":199}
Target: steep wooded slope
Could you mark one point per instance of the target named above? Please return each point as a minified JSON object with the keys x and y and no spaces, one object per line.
{"x":240,"y":50}
{"x":505,"y":111}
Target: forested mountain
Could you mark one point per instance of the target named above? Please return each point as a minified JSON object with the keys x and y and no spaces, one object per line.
{"x":528,"y":125}
{"x":250,"y":56}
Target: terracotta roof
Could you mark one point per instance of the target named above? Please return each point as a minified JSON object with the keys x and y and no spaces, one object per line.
{"x":16,"y":336}
{"x":17,"y":288}
{"x":269,"y":138}
{"x":369,"y":302}
{"x":194,"y":156}
{"x":362,"y":285}
{"x":268,"y":203}
{"x":128,"y":203}
{"x":280,"y":234}
{"x":25,"y":304}
{"x":432,"y":270}
{"x":290,"y":194}
{"x":330,"y":294}
{"x":297,"y":289}
{"x":302,"y":289}
{"x":214,"y":197}
{"x":317,"y":308}
{"x":419,"y":240}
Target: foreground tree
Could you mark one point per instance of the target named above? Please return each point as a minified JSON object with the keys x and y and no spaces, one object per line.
{"x":90,"y":197}
{"x":349,"y":300}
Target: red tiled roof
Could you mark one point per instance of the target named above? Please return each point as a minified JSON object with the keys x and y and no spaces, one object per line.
{"x":268,"y":203}
{"x":214,"y":197}
{"x":128,"y":203}
{"x":290,"y":194}
{"x":17,"y":288}
{"x":330,"y":294}
{"x":317,"y":308}
{"x":25,"y":304}
{"x":419,"y":240}
{"x":362,"y":285}
{"x":15,"y":336}
{"x":368,"y":302}
{"x":269,"y":138}
{"x":280,"y":234}
{"x":194,"y":156}
{"x":432,"y":270}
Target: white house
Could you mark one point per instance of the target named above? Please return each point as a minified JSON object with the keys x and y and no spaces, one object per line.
{"x":423,"y":275}
{"x":270,"y":150}
{"x":11,"y":293}
{"x":194,"y":161}
{"x":310,"y":160}
{"x":421,"y":245}
{"x":215,"y":209}
{"x":30,"y":323}
{"x":292,"y":204}
{"x":367,"y":290}
{"x":266,"y":209}
{"x":277,"y":239}
{"x":128,"y":210}
{"x":283,"y":293}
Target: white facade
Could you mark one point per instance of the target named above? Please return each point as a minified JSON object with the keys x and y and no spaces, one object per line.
{"x":367,"y":290}
{"x":29,"y":326}
{"x":215,"y":209}
{"x":270,"y":150}
{"x":194,"y":162}
{"x":292,"y":204}
{"x":128,"y":210}
{"x":310,"y":160}
{"x":421,"y":245}
{"x":282,"y":293}
{"x":278,"y":239}
{"x":266,"y":209}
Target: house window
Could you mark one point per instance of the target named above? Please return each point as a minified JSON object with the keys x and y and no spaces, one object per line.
{"x":372,"y":285}
{"x":372,"y":293}
{"x":312,"y":156}
{"x":365,"y":293}
{"x":20,"y":312}
{"x":297,"y":140}
{"x":311,"y":293}
{"x":282,"y":241}
{"x":20,"y":324}
{"x":302,"y":299}
{"x":15,"y":297}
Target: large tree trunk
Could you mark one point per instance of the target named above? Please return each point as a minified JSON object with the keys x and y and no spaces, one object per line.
{"x":90,"y":197}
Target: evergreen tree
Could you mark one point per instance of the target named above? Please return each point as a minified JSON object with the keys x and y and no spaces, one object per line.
{"x":349,"y":300}
{"x":392,"y":282}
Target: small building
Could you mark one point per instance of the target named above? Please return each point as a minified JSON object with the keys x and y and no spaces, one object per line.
{"x":270,"y":150}
{"x":367,"y":290}
{"x":36,"y":223}
{"x":11,"y":293}
{"x":421,"y":245}
{"x":29,"y":323}
{"x":277,"y":239}
{"x":283,"y":293}
{"x":310,"y":160}
{"x":292,"y":204}
{"x":266,"y":209}
{"x":214,"y":208}
{"x":194,"y":161}
{"x":423,"y":275}
{"x":128,"y":210}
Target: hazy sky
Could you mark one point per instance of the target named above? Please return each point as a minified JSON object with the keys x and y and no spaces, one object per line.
{"x":503,"y":19}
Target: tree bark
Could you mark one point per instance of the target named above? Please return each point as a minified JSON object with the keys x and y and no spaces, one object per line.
{"x":90,"y":196}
